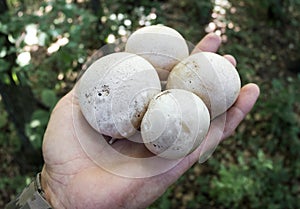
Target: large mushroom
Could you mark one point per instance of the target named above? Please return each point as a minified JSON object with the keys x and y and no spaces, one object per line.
{"x":210,"y":76}
{"x":115,"y":91}
{"x":175,"y":123}
{"x":162,"y":46}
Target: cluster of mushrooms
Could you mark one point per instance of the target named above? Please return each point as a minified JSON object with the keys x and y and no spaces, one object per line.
{"x":158,"y":87}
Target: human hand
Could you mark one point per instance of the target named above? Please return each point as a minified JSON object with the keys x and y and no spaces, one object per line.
{"x":82,"y":171}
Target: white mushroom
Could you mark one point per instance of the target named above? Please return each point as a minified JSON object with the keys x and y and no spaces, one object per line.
{"x":115,"y":91}
{"x":162,"y":46}
{"x":175,"y":123}
{"x":210,"y":76}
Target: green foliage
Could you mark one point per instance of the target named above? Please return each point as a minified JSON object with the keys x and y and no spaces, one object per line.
{"x":285,"y":121}
{"x":3,"y":118}
{"x":258,"y":182}
{"x":13,"y":183}
{"x":36,"y":128}
{"x":49,"y":98}
{"x":189,"y":17}
{"x":276,"y":12}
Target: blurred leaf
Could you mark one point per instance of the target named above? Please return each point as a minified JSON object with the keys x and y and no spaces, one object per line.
{"x":36,"y":127}
{"x":3,"y":118}
{"x":4,"y":66}
{"x":42,"y":116}
{"x":49,"y":98}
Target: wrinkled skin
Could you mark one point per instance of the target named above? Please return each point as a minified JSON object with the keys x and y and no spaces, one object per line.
{"x":72,"y":180}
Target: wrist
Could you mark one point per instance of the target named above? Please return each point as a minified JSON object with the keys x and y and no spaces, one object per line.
{"x":52,"y":189}
{"x":46,"y":191}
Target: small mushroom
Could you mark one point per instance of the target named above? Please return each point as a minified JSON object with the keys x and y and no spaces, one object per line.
{"x":210,"y":76}
{"x":175,"y":123}
{"x":162,"y":46}
{"x":115,"y":91}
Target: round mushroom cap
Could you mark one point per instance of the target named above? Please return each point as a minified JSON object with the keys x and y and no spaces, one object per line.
{"x":115,"y":91}
{"x":162,"y":46}
{"x":175,"y":123}
{"x":210,"y":76}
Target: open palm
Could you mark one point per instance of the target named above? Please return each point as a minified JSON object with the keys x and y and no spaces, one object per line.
{"x":80,"y":173}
